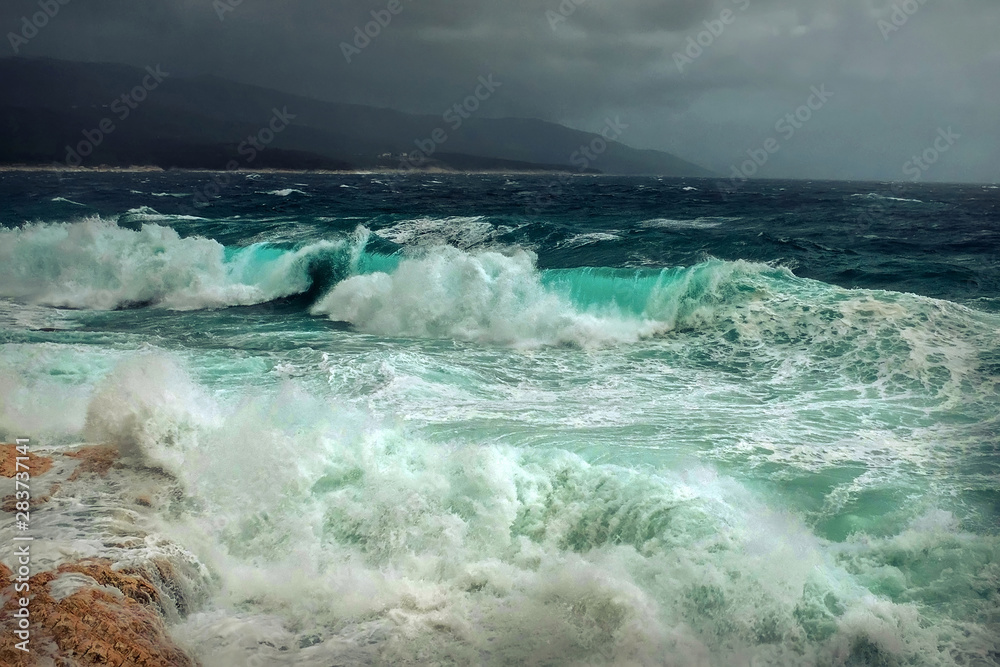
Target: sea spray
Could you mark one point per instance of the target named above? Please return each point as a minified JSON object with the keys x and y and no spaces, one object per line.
{"x":95,"y":264}
{"x":453,"y":551}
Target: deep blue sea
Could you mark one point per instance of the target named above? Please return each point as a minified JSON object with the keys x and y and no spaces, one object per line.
{"x":525,"y":419}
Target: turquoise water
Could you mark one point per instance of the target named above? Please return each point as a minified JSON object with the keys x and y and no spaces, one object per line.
{"x":642,"y":425}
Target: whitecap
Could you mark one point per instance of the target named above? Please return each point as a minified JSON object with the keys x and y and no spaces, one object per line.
{"x":67,"y":201}
{"x":581,"y":240}
{"x":875,"y":195}
{"x":285,"y":192}
{"x":696,"y":223}
{"x":459,"y":231}
{"x":149,"y":214}
{"x":95,"y":264}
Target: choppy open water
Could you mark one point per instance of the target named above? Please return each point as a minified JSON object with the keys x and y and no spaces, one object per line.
{"x":511,"y":420}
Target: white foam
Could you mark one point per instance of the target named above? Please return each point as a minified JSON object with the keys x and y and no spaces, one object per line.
{"x":46,"y":389}
{"x":339,"y":535}
{"x":149,"y":407}
{"x":378,"y":545}
{"x":67,"y":201}
{"x":592,"y":238}
{"x":286,"y":192}
{"x":460,"y":232}
{"x":696,"y":223}
{"x":875,"y":195}
{"x":148,"y":214}
{"x":95,"y":264}
{"x":486,"y":297}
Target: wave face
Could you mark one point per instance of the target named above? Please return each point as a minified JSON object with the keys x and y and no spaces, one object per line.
{"x":95,"y":264}
{"x":485,"y":297}
{"x":502,"y":298}
{"x":460,"y":420}
{"x":442,"y":292}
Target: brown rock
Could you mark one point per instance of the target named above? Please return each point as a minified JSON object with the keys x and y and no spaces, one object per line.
{"x":135,"y":588}
{"x":91,"y":626}
{"x":96,"y":459}
{"x":9,"y":502}
{"x":37,"y":465}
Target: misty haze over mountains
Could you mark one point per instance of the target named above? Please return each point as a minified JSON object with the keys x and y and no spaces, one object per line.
{"x":116,"y":115}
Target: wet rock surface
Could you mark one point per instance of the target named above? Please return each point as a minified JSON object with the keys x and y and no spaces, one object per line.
{"x":104,"y":585}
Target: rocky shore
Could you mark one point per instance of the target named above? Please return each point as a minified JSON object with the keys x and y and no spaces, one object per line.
{"x":104,"y":586}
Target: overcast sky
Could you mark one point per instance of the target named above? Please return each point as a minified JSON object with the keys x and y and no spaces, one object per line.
{"x":897,"y":81}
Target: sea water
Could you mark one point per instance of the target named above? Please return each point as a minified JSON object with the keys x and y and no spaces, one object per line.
{"x":512,"y":419}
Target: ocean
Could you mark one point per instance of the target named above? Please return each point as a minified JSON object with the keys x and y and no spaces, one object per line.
{"x":524,"y":419}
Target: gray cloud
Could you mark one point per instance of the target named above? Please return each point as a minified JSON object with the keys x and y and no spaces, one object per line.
{"x":941,"y":68}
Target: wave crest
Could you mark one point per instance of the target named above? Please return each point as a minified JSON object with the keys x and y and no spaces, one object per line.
{"x":499,"y":298}
{"x":95,"y":264}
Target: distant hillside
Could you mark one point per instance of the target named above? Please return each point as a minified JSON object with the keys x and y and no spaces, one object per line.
{"x":204,"y":122}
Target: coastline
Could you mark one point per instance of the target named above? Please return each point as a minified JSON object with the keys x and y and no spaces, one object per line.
{"x":348,"y":172}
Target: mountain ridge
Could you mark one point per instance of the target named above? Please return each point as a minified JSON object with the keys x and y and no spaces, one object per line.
{"x":109,"y":114}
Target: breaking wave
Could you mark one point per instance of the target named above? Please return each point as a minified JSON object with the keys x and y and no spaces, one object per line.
{"x":379,"y":546}
{"x":95,"y":264}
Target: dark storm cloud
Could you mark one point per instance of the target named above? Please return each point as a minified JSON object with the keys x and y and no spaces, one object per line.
{"x":899,"y":71}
